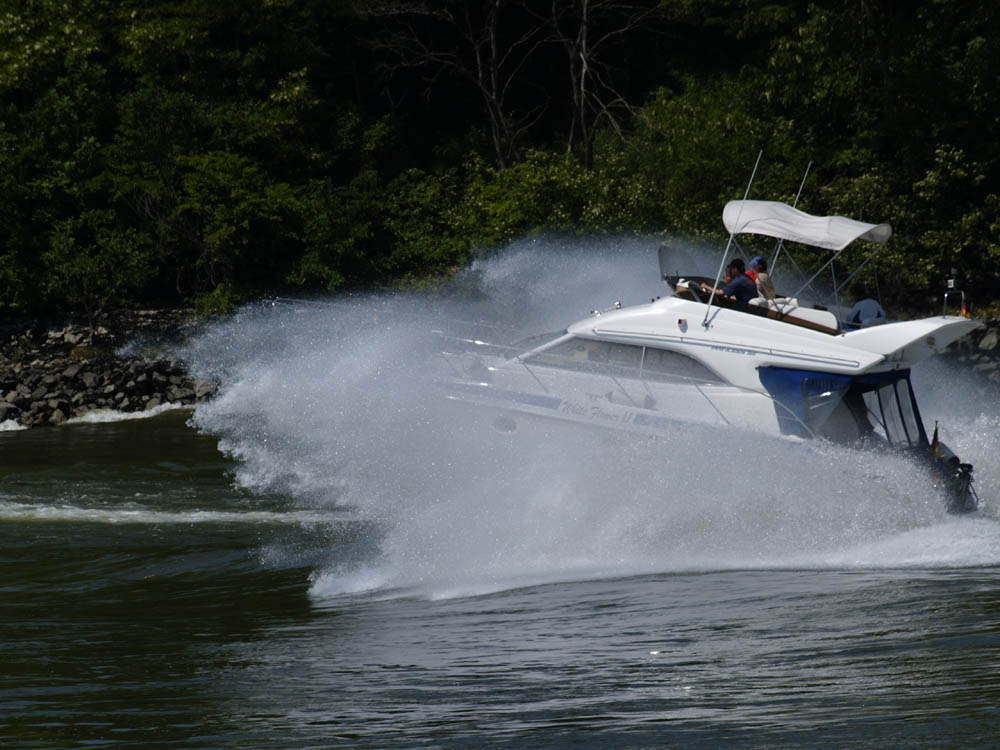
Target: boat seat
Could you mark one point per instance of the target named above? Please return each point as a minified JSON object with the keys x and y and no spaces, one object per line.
{"x":789,"y":306}
{"x":776,"y":303}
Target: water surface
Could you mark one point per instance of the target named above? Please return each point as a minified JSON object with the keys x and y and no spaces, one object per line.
{"x":327,"y":556}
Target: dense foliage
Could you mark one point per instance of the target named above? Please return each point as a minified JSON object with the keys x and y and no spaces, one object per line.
{"x":208,"y":151}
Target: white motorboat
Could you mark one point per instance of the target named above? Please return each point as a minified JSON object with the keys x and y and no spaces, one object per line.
{"x":787,"y":367}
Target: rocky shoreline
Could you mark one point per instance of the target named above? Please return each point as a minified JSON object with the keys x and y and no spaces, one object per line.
{"x":51,"y":373}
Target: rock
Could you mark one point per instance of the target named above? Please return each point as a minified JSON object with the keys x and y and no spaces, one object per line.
{"x":989,"y":341}
{"x":81,"y":352}
{"x":178,"y":393}
{"x":48,"y":373}
{"x":17,"y":398}
{"x":203,"y":389}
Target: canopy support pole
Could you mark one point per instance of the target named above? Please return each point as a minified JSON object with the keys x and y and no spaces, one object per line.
{"x":781,"y":243}
{"x":855,"y":273}
{"x":725,"y":254}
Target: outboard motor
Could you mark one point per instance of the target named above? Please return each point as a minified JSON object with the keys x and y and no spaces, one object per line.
{"x":956,"y":479}
{"x":953,"y":476}
{"x":961,"y":494}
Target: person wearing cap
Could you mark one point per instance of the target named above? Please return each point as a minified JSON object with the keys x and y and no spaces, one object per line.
{"x":758,"y":272}
{"x":739,"y":286}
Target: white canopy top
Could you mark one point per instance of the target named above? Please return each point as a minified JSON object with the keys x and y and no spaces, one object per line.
{"x":779,"y":220}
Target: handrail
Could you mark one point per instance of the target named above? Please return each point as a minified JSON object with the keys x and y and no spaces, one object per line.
{"x":944,"y":311}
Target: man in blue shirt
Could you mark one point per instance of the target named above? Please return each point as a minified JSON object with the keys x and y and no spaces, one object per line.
{"x":739,"y":286}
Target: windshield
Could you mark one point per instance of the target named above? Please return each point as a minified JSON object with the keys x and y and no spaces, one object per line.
{"x":622,"y":360}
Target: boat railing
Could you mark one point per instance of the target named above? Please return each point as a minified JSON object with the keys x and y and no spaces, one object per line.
{"x":961,"y":296}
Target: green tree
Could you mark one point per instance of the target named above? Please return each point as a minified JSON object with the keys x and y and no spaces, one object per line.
{"x":92,"y":263}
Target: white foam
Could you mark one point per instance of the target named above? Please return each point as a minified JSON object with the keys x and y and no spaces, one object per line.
{"x":102,"y":416}
{"x":17,"y":511}
{"x":9,"y":425}
{"x":331,"y":407}
{"x":956,"y":543}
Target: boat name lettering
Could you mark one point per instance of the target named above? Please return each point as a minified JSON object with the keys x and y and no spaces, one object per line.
{"x":733,"y":350}
{"x":595,"y":412}
{"x":577,"y":410}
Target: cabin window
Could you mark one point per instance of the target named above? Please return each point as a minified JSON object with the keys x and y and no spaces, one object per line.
{"x":909,"y":419}
{"x":663,"y":364}
{"x":821,"y":397}
{"x":589,"y":355}
{"x":623,"y":360}
{"x":891,"y":406}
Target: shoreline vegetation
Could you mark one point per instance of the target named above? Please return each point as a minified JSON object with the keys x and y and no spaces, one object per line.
{"x":51,"y":372}
{"x":191,"y":153}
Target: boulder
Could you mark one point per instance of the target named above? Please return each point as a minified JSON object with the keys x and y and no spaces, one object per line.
{"x":989,"y":341}
{"x":178,"y":393}
{"x":203,"y":389}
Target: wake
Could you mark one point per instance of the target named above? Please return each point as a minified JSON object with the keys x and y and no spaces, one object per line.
{"x":328,"y":403}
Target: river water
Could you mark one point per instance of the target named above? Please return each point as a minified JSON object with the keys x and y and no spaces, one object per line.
{"x":326,"y":557}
